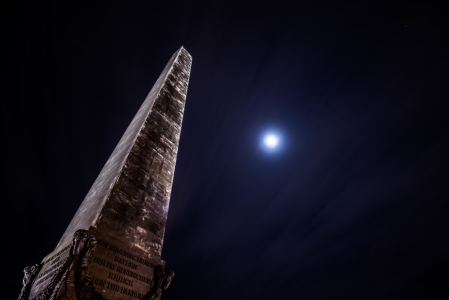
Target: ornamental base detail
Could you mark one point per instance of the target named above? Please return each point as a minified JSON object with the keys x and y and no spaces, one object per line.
{"x":96,"y":266}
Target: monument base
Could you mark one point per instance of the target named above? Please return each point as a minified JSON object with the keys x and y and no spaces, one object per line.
{"x":95,"y":265}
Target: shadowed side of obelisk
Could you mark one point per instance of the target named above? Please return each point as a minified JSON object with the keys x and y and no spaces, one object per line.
{"x":129,"y":199}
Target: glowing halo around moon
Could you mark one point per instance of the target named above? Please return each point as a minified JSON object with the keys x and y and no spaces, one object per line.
{"x":271,"y":141}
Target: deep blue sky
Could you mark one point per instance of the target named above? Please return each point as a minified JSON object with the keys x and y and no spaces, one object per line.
{"x":354,"y":204}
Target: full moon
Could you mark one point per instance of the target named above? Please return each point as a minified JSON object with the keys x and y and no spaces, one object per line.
{"x":271,"y":141}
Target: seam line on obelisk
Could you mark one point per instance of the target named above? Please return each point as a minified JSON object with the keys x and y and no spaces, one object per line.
{"x":98,"y":215}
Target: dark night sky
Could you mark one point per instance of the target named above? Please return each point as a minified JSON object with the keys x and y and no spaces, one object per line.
{"x":354,"y":204}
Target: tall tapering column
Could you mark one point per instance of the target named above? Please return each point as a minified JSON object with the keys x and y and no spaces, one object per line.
{"x":112,"y":247}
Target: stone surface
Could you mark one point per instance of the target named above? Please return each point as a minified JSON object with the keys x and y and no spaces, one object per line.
{"x":119,"y":271}
{"x":112,"y":248}
{"x":114,"y":270}
{"x":130,"y":197}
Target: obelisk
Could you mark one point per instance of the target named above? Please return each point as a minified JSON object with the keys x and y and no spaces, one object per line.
{"x":112,"y":247}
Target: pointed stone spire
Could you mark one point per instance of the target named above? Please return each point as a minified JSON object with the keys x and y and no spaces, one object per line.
{"x":129,"y":200}
{"x":112,"y":247}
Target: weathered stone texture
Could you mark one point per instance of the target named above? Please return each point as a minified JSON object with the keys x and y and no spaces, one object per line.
{"x":130,"y":198}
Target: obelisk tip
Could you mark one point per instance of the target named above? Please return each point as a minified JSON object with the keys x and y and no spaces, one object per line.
{"x":182,"y":49}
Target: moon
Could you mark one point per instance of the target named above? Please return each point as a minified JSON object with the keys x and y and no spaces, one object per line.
{"x":271,"y":141}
